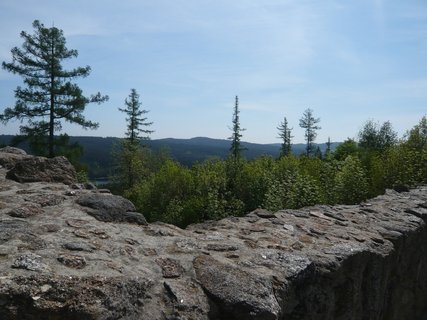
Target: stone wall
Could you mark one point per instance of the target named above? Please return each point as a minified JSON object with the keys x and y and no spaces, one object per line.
{"x":71,"y":252}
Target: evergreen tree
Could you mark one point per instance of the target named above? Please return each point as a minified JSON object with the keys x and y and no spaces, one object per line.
{"x":49,"y":95}
{"x":309,"y":123}
{"x":136,"y":121}
{"x":318,"y":153}
{"x":131,"y":155}
{"x":236,"y":146}
{"x":328,"y":147}
{"x":285,"y":135}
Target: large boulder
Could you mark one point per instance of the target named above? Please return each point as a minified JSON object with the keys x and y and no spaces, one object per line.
{"x":111,"y":208}
{"x":239,"y":294}
{"x":40,"y":169}
{"x":9,"y":156}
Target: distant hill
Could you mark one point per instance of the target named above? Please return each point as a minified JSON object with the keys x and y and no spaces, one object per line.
{"x":97,"y":150}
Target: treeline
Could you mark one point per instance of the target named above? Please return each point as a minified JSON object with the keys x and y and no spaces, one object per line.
{"x":167,"y":191}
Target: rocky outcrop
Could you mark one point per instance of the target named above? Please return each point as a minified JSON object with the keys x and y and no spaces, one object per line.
{"x":10,"y":155}
{"x":36,"y":169}
{"x":61,"y":258}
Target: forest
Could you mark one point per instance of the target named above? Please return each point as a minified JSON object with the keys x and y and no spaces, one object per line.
{"x":233,"y":184}
{"x":165,"y":190}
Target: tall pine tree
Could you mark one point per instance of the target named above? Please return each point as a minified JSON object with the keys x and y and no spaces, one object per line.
{"x":236,"y":146}
{"x":285,"y":135}
{"x":136,"y":120}
{"x":49,"y":96}
{"x":309,"y":123}
{"x":130,"y":158}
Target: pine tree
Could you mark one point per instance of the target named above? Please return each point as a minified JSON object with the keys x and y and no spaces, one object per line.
{"x":236,"y":146}
{"x":135,"y":119}
{"x":49,"y":95}
{"x":328,"y":146}
{"x":309,"y":123}
{"x":131,"y":155}
{"x":285,"y":135}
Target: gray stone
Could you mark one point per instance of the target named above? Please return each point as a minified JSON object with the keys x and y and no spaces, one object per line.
{"x":170,"y":268}
{"x":26,"y":210}
{"x":221,"y":247}
{"x":78,"y":246}
{"x":37,"y":169}
{"x":13,"y":150}
{"x":29,"y":261}
{"x":72,"y":261}
{"x":238,"y":294}
{"x":9,"y":156}
{"x":111,"y":208}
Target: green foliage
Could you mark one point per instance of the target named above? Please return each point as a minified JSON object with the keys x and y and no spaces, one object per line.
{"x":351,"y":184}
{"x":130,"y":167}
{"x":82,"y":176}
{"x":417,"y":137}
{"x":217,"y":188}
{"x":347,"y":148}
{"x":254,"y":181}
{"x":400,"y":165}
{"x":326,"y":180}
{"x":211,"y":184}
{"x":305,"y":192}
{"x":162,"y":196}
{"x":373,"y":137}
{"x":49,"y":96}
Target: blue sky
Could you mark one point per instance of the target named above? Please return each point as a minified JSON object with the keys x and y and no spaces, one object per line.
{"x":349,"y":61}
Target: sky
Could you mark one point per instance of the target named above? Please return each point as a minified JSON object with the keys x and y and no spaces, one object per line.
{"x":349,"y":61}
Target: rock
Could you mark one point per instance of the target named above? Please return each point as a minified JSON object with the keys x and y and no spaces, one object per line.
{"x":10,"y":155}
{"x":71,"y":297}
{"x":89,"y":186}
{"x":12,"y":229}
{"x":78,"y":246}
{"x":187,"y":298}
{"x":26,"y":210}
{"x":37,"y":169}
{"x":72,"y":261}
{"x":262,"y":213}
{"x":221,"y":247}
{"x":237,"y":293}
{"x":134,"y":217}
{"x":111,"y":208}
{"x":46,"y":200}
{"x":170,"y":268}
{"x":323,"y":262}
{"x":29,"y":261}
{"x":401,"y":188}
{"x":13,"y":150}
